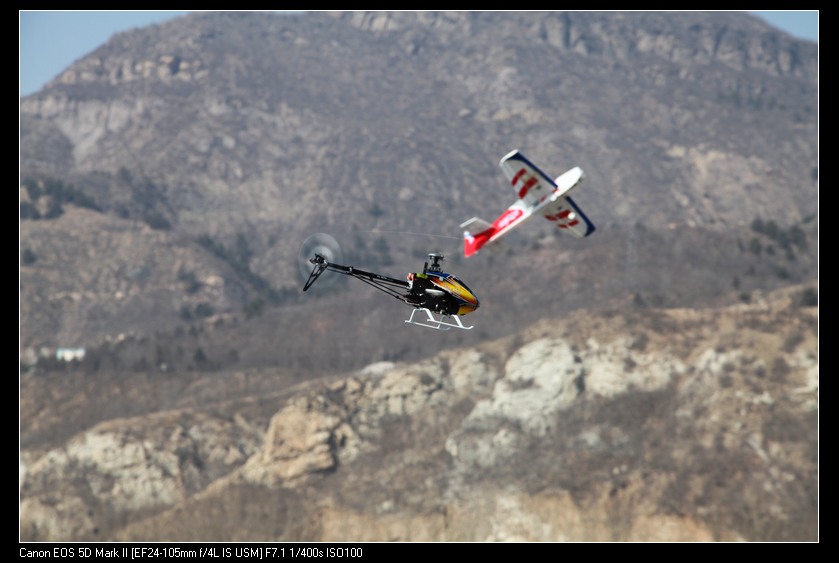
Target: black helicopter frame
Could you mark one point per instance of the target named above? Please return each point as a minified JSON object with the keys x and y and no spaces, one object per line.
{"x":420,"y":294}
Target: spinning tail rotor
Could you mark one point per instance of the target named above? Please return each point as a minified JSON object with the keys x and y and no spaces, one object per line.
{"x":320,"y":266}
{"x":315,"y":254}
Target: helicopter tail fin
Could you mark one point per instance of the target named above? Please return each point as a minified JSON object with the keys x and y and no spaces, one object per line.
{"x":476,"y":234}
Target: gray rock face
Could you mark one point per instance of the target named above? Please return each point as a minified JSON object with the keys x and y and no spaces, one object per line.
{"x":128,"y":468}
{"x":657,"y":425}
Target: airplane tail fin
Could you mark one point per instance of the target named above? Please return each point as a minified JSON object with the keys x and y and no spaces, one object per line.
{"x":471,"y":246}
{"x":475,"y":235}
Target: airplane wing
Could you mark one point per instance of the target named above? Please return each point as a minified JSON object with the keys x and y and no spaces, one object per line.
{"x":568,"y":216}
{"x":538,"y":190}
{"x":531,"y":184}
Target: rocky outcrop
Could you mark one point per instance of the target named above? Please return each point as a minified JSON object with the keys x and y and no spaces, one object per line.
{"x":645,"y":425}
{"x":127,"y":468}
{"x":737,"y":40}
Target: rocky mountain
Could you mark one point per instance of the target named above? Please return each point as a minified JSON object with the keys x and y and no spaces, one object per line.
{"x":655,"y":425}
{"x":169,"y":177}
{"x":655,"y":381}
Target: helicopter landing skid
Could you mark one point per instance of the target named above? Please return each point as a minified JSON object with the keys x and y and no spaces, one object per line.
{"x":445,"y":322}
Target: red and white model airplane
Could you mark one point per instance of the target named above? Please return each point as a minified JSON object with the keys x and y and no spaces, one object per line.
{"x":537,"y":194}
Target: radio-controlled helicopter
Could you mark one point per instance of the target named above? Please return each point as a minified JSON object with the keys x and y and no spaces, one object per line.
{"x":439,"y":299}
